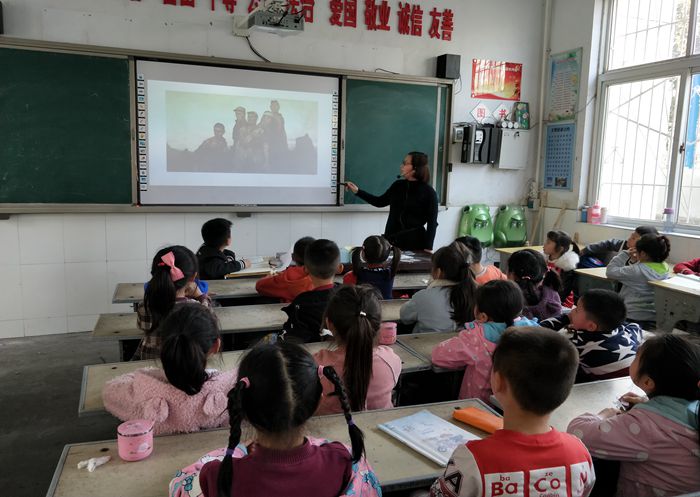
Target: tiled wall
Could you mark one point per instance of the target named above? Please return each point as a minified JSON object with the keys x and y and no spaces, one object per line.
{"x":59,"y":271}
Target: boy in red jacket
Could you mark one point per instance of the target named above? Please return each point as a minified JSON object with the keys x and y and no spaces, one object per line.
{"x":533,"y":372}
{"x":292,"y":281}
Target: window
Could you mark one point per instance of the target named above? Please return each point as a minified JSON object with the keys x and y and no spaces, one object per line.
{"x":648,"y":156}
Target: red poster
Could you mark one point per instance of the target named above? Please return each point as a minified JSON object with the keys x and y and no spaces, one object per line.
{"x":496,"y":80}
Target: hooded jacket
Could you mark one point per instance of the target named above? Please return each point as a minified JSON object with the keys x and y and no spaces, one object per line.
{"x":147,"y":394}
{"x":656,"y":442}
{"x":602,"y":354}
{"x":214,"y":264}
{"x":285,"y":285}
{"x":636,"y":290}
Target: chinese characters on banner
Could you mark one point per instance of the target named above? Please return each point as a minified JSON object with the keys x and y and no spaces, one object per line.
{"x":496,"y":80}
{"x":378,"y":15}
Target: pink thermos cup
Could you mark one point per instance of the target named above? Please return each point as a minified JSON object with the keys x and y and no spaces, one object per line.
{"x":387,"y":333}
{"x":135,"y":439}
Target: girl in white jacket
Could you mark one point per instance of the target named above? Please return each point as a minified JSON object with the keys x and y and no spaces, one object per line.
{"x":562,"y":256}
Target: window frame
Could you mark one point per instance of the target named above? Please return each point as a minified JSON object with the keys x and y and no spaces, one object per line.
{"x":683,"y":67}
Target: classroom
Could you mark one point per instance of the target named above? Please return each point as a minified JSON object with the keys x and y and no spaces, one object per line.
{"x":538,"y":129}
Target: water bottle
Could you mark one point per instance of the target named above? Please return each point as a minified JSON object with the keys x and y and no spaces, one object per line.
{"x":668,"y":219}
{"x":594,"y":213}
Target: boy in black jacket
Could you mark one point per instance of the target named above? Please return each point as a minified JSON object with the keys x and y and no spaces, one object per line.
{"x":215,"y":261}
{"x":321,"y":262}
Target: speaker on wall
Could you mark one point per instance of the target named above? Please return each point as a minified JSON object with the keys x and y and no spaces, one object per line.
{"x":447,"y":66}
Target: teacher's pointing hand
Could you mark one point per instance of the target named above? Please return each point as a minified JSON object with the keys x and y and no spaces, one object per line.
{"x":349,"y":185}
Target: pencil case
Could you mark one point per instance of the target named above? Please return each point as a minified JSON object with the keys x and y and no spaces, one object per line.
{"x":479,"y":419}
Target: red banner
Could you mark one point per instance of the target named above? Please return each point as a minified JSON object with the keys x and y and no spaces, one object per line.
{"x":496,"y":80}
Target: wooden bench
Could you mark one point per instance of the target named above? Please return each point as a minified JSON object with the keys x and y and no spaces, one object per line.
{"x":132,"y":293}
{"x":396,"y":465}
{"x":96,"y":375}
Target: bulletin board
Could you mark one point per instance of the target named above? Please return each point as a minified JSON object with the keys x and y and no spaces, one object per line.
{"x":559,"y":156}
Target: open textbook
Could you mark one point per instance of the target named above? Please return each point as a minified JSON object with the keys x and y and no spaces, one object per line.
{"x":428,"y":434}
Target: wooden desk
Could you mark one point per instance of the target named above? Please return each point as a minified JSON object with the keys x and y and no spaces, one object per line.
{"x":591,"y":278}
{"x":95,"y":376}
{"x":591,"y":397}
{"x":131,"y":293}
{"x":237,"y":319}
{"x":676,"y":299}
{"x":422,"y":344}
{"x":396,"y":465}
{"x":506,"y":252}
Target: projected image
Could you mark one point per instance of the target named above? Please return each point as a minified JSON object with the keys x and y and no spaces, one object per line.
{"x":207,"y":132}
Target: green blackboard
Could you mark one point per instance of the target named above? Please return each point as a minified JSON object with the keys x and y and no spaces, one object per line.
{"x":383,"y":122}
{"x":64,"y":128}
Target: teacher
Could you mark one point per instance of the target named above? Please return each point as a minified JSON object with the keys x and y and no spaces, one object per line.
{"x":412,"y":205}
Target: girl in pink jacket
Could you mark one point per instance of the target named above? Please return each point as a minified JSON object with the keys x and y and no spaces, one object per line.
{"x":369,"y":369}
{"x":498,"y":306}
{"x":656,"y":441}
{"x":184,"y":396}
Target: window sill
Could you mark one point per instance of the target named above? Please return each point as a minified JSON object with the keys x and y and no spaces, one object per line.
{"x":683,"y":233}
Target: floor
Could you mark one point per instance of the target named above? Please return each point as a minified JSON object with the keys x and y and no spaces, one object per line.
{"x":40,"y":381}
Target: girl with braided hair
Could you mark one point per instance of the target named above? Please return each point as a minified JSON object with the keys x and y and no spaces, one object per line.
{"x":370,"y":369}
{"x":277,"y":391}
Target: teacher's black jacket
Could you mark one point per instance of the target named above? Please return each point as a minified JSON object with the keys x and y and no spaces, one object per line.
{"x":412,"y":204}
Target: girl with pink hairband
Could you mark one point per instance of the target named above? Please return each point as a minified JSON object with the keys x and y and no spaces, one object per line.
{"x":172,"y":282}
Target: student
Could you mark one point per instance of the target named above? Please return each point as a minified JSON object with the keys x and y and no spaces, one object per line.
{"x":215,"y":261}
{"x":533,"y":372}
{"x":322,"y":262}
{"x":173,"y":281}
{"x":498,"y":306}
{"x":656,"y":441}
{"x":184,"y":396}
{"x":539,"y":284}
{"x":688,"y":267}
{"x":606,"y":344}
{"x":369,"y":265}
{"x":563,"y":257}
{"x":277,"y":392}
{"x":651,"y":252}
{"x":448,"y":302}
{"x":369,"y":370}
{"x":600,"y":254}
{"x":286,"y":285}
{"x":482,"y":273}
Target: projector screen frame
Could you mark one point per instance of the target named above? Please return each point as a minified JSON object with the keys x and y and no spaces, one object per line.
{"x":7,"y":209}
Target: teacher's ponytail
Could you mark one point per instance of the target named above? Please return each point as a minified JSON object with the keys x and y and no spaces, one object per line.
{"x":421,"y":171}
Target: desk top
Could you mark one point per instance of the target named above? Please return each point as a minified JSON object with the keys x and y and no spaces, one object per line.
{"x":681,"y":284}
{"x":512,"y":250}
{"x":130,"y":293}
{"x":595,"y":272}
{"x":96,"y":375}
{"x":395,"y":464}
{"x":236,"y":319}
{"x":422,"y":344}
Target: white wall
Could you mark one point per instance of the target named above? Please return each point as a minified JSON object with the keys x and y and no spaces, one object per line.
{"x":60,"y":270}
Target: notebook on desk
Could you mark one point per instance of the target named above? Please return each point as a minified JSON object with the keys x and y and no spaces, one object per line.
{"x":429,"y":435}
